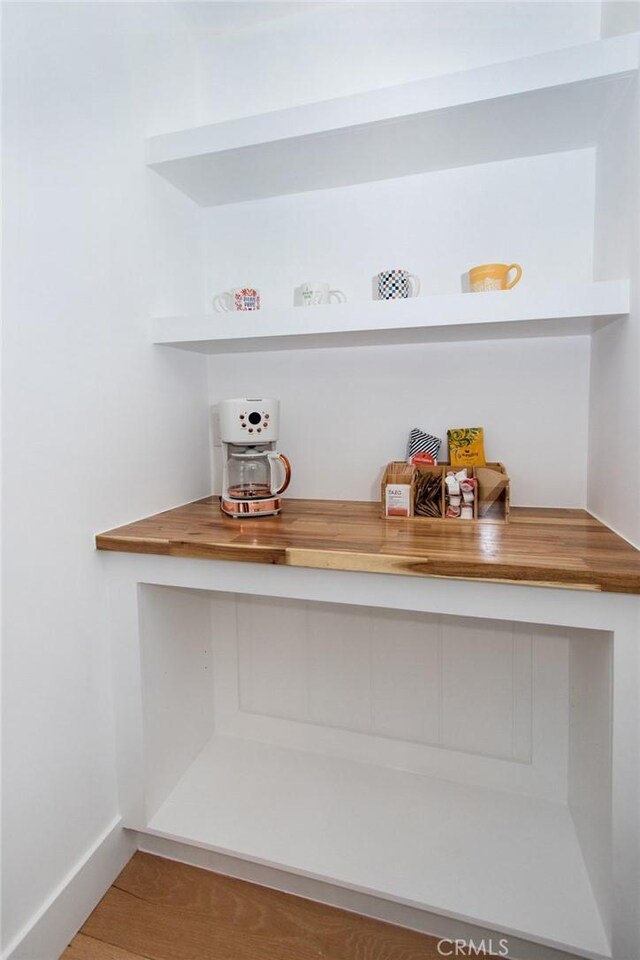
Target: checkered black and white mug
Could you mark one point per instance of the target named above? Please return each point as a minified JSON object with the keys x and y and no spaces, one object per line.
{"x":397,"y":285}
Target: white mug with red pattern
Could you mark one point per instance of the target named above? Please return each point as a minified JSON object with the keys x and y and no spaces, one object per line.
{"x":240,"y":298}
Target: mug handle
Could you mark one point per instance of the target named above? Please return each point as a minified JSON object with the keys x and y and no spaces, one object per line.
{"x":285,"y":466}
{"x":221,"y":302}
{"x":414,"y":283}
{"x":518,"y":269}
{"x":339,"y":296}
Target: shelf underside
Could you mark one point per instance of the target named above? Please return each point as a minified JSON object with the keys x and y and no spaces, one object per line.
{"x":508,"y":862}
{"x":574,"y":310}
{"x":543,"y":104}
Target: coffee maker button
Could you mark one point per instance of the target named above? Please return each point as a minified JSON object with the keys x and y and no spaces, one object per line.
{"x":244,"y":426}
{"x":250,"y":429}
{"x":259,"y":429}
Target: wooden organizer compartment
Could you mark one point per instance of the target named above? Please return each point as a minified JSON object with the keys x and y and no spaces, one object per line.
{"x":399,"y":474}
{"x":492,"y":492}
{"x":474,"y":505}
{"x":423,"y":472}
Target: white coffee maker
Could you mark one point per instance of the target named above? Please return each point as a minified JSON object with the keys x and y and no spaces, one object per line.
{"x":254,"y":473}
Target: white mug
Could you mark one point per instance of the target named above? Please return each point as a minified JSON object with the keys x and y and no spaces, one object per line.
{"x":240,"y":298}
{"x":310,"y":294}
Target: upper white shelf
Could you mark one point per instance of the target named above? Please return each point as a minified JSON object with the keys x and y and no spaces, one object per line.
{"x":565,"y":311}
{"x":543,"y":104}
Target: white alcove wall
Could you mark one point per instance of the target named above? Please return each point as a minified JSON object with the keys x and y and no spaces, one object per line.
{"x":614,"y":402}
{"x":346,"y":412}
{"x":536,"y":210}
{"x":355,"y":407}
{"x":540,"y":210}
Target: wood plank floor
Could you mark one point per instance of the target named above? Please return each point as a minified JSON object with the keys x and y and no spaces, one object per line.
{"x":161,"y":910}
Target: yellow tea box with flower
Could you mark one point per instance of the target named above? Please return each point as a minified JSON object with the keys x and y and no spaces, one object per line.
{"x":466,"y":447}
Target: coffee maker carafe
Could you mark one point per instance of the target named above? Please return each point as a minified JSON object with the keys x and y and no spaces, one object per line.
{"x":255,"y":474}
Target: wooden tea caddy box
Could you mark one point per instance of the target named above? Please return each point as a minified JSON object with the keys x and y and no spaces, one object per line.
{"x":492,"y":499}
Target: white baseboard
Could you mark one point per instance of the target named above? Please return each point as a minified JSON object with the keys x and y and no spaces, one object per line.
{"x":49,"y":931}
{"x":350,"y":900}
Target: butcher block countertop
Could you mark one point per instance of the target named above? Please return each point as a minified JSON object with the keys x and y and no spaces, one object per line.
{"x":541,"y":547}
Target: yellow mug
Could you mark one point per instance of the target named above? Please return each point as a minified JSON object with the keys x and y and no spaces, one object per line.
{"x":493,"y":276}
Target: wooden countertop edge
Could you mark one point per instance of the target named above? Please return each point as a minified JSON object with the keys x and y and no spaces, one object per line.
{"x":252,"y":553}
{"x":426,"y":567}
{"x":350,"y":562}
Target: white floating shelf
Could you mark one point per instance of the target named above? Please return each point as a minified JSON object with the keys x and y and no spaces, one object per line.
{"x":567,"y":311}
{"x":505,"y":861}
{"x":543,"y":104}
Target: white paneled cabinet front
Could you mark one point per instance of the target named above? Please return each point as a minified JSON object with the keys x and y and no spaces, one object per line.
{"x":447,"y":696}
{"x":406,"y":676}
{"x":271,"y":675}
{"x":451,"y":682}
{"x":482,"y":684}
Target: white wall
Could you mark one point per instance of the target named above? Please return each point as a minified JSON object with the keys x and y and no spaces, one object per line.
{"x":614,"y":425}
{"x":619,"y":16}
{"x":346,"y":412}
{"x":333,"y":49}
{"x":99,"y":427}
{"x":536,"y":210}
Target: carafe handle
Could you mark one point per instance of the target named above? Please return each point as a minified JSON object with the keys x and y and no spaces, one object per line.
{"x":284,"y":465}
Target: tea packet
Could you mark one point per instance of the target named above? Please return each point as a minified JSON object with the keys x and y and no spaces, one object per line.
{"x":466,"y":447}
{"x":422,"y":447}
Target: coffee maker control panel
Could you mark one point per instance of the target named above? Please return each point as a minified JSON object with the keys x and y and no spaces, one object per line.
{"x":249,"y":419}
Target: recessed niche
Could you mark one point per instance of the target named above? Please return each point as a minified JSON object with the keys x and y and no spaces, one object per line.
{"x":389,"y":752}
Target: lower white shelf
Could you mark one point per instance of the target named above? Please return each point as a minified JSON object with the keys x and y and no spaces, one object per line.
{"x":568,"y":311}
{"x":505,"y":861}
